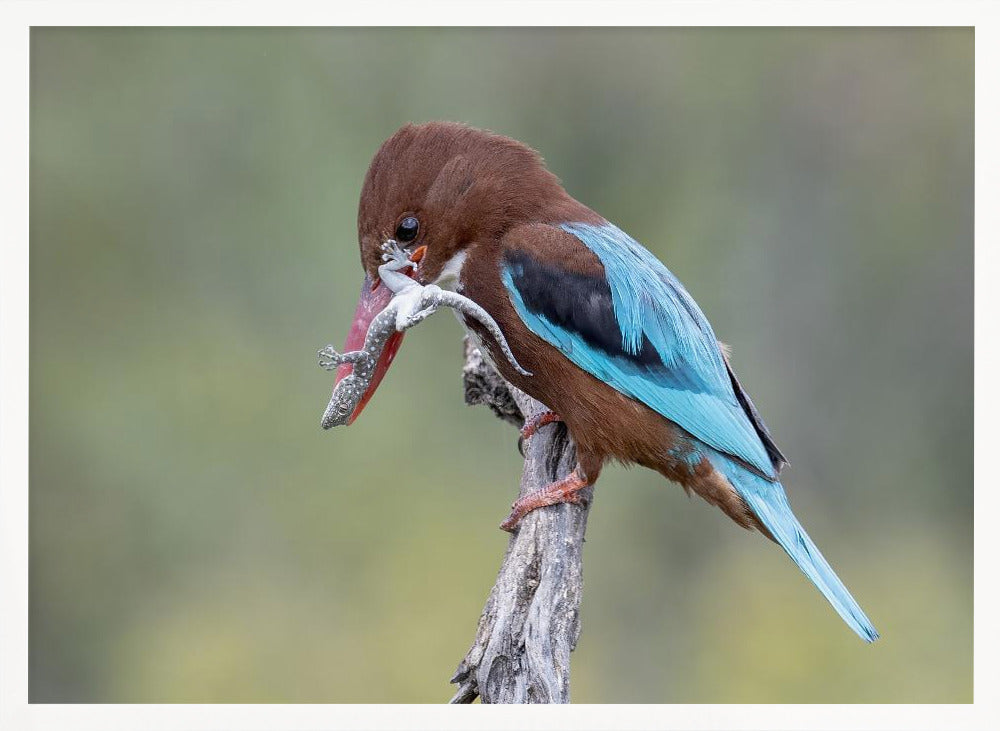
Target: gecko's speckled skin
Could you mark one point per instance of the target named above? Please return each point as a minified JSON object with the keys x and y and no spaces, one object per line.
{"x":411,"y":304}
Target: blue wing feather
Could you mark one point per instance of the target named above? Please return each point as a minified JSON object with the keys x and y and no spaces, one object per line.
{"x":692,"y":386}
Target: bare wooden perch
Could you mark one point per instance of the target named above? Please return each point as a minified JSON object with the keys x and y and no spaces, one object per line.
{"x":531,"y":620}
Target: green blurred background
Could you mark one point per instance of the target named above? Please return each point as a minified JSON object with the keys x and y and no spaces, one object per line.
{"x":196,"y":537}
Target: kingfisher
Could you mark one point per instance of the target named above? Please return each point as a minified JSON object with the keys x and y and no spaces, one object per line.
{"x":577,"y":314}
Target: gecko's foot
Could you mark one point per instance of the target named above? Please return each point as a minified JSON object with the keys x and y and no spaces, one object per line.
{"x":329,"y":358}
{"x":536,"y":422}
{"x":565,"y":490}
{"x":394,"y":257}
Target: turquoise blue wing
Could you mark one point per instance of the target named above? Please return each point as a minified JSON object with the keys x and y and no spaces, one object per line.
{"x":638,"y":330}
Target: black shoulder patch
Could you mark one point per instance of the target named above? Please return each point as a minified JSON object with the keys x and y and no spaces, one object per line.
{"x":577,"y":302}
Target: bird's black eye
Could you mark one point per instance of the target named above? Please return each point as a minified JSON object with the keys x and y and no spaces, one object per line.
{"x":407,"y":229}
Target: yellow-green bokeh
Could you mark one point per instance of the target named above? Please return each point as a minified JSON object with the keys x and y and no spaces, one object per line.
{"x":195,"y":536}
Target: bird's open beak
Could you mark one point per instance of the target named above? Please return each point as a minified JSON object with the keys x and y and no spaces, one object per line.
{"x":373,"y":299}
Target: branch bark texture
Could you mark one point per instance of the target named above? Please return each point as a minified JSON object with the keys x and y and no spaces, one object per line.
{"x":531,"y":621}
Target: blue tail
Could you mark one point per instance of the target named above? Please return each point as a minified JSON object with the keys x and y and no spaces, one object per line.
{"x":767,"y":500}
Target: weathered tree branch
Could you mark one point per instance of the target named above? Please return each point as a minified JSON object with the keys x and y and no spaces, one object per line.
{"x":531,"y":620}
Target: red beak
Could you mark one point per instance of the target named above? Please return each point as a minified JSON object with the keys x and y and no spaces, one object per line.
{"x":372,"y":301}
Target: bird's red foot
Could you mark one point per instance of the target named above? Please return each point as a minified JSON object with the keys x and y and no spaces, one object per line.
{"x":565,"y":490}
{"x":536,"y":422}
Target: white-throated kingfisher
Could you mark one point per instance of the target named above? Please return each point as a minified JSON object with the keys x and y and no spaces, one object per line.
{"x":609,"y":339}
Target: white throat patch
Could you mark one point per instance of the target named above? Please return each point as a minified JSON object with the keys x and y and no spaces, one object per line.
{"x":450,"y":278}
{"x":451,"y":273}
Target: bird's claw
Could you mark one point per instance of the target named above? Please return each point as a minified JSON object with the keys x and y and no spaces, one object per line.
{"x":566,"y":490}
{"x":536,"y":422}
{"x":519,"y":512}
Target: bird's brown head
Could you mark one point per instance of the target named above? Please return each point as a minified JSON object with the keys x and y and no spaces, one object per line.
{"x":447,"y":187}
{"x":437,"y":190}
